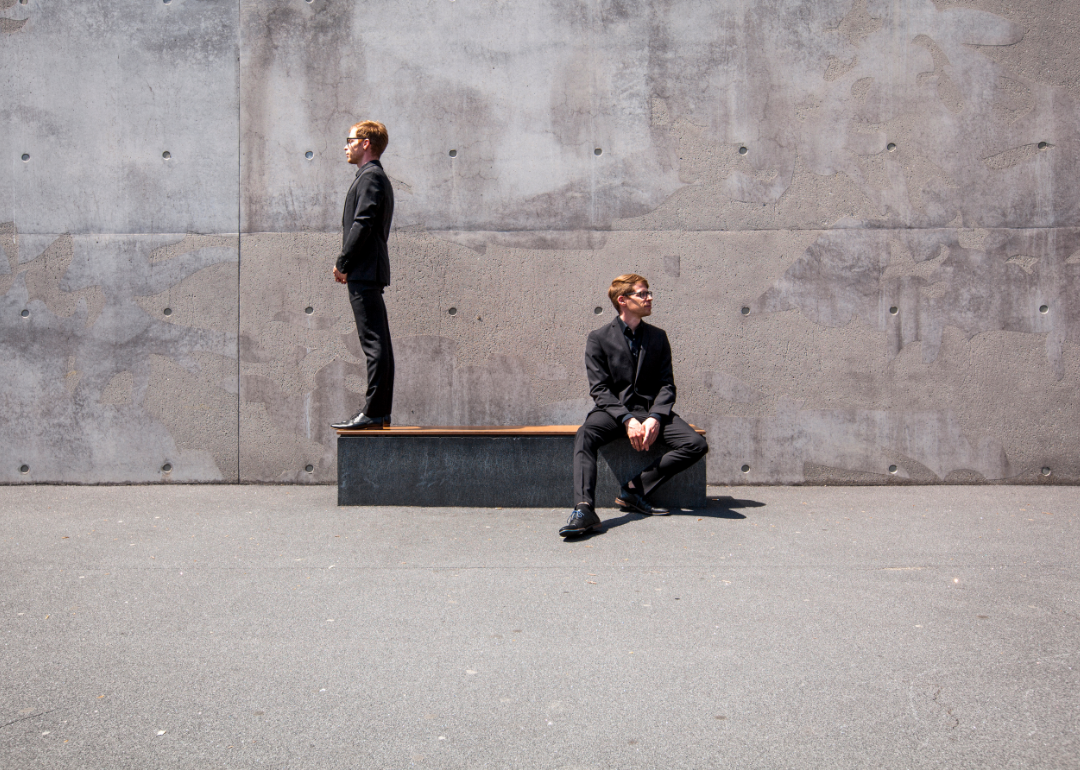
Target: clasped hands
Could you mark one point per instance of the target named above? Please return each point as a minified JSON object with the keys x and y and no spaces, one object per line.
{"x":642,"y":434}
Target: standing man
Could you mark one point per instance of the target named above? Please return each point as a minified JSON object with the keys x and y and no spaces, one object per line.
{"x":364,"y":265}
{"x":631,"y":382}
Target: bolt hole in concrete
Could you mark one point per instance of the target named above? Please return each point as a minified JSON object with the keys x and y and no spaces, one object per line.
{"x":25,"y":157}
{"x":891,"y":147}
{"x":166,"y":468}
{"x":309,"y":310}
{"x":597,"y":310}
{"x":166,"y":155}
{"x":892,"y":469}
{"x":746,"y":469}
{"x":894,"y":310}
{"x":743,"y":151}
{"x":453,"y":153}
{"x":452,"y":311}
{"x":25,"y":313}
{"x":1043,"y":145}
{"x":167,"y":311}
{"x":24,"y":469}
{"x":309,"y":468}
{"x":1045,"y":471}
{"x":309,"y":155}
{"x":1044,"y":309}
{"x":598,"y":151}
{"x":745,"y":311}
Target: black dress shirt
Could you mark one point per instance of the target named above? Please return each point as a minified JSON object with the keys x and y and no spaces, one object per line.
{"x":633,"y":341}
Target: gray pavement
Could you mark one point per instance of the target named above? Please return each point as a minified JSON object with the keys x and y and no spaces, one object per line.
{"x":264,"y":627}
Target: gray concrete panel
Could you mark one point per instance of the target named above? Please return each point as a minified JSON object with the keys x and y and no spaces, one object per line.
{"x":837,"y":112}
{"x":119,"y":358}
{"x":98,"y":92}
{"x":496,"y":112}
{"x":818,"y":382}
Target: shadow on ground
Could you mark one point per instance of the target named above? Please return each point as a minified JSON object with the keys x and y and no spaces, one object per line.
{"x":722,"y":507}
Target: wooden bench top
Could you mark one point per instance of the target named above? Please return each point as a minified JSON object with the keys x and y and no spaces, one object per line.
{"x":474,"y":430}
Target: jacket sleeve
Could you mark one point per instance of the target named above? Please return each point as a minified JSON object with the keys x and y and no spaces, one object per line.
{"x":369,"y":197}
{"x":598,"y":368}
{"x":665,"y":397}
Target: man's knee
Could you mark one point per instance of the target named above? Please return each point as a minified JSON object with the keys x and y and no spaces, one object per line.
{"x":694,"y":444}
{"x":585,"y":439}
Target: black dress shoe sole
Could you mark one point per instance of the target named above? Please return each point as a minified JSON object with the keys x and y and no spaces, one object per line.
{"x":365,"y":426}
{"x":628,"y":506}
{"x":564,"y":532}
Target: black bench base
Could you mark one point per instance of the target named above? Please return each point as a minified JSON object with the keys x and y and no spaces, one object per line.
{"x":519,"y":471}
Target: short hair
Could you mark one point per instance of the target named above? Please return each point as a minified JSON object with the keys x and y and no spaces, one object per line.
{"x":624,"y":285}
{"x":374,"y":132}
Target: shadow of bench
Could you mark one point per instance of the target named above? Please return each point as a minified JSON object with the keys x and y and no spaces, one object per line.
{"x":492,"y":467}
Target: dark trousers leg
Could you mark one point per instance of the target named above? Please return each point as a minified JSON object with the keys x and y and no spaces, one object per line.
{"x":373,"y":327}
{"x":598,"y":429}
{"x":686,"y":448}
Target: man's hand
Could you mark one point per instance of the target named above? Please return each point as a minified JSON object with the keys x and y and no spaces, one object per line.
{"x":642,"y":435}
{"x":652,"y":430}
{"x":339,"y":276}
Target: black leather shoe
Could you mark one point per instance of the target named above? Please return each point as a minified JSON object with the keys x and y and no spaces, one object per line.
{"x":631,"y":500}
{"x":361,"y":421}
{"x":580,"y":522}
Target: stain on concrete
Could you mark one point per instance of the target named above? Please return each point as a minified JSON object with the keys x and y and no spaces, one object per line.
{"x":796,"y":446}
{"x":1012,"y":157}
{"x":7,"y":25}
{"x":303,"y":81}
{"x":530,"y":240}
{"x":118,"y":390}
{"x":858,"y":23}
{"x":947,"y":90}
{"x":74,"y":415}
{"x":1046,"y":52}
{"x":916,"y":284}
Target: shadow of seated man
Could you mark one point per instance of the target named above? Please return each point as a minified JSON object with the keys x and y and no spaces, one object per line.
{"x":633,"y":389}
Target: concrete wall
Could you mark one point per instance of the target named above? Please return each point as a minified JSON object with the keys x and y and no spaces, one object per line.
{"x":860,"y":218}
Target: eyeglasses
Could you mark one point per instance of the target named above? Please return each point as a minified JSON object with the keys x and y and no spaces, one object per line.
{"x":351,"y":139}
{"x":641,"y":294}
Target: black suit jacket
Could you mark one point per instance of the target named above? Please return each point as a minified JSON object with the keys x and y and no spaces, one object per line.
{"x":615,"y":386}
{"x":365,"y":226}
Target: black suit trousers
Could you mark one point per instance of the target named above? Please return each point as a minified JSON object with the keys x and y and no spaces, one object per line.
{"x":373,"y":327}
{"x":685,"y":447}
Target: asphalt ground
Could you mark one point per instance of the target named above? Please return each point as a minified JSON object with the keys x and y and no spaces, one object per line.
{"x":265,"y":627}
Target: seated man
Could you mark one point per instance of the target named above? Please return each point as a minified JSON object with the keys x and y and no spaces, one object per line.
{"x":630,"y":380}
